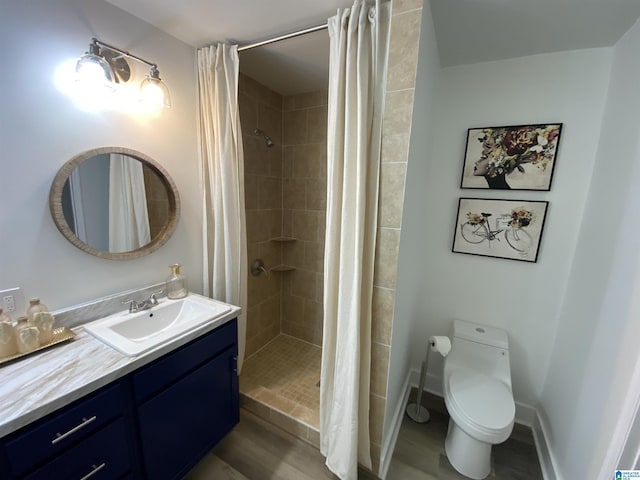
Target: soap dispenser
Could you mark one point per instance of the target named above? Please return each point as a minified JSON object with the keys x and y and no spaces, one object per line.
{"x":176,"y":283}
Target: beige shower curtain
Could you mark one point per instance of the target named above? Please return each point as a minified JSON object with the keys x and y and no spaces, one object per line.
{"x":357,"y":74}
{"x":224,"y":224}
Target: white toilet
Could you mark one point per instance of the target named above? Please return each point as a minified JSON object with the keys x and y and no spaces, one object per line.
{"x":477,"y":392}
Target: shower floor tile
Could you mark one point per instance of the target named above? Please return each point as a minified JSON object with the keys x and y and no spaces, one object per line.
{"x":284,"y":375}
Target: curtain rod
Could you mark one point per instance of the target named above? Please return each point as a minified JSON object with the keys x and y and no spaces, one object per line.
{"x":283,"y":37}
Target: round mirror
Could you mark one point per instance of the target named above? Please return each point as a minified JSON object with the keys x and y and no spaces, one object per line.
{"x":114,"y":203}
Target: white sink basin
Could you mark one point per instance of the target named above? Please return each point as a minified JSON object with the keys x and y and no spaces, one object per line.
{"x":135,"y":333}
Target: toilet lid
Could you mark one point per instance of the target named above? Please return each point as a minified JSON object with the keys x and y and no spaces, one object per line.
{"x":484,"y":400}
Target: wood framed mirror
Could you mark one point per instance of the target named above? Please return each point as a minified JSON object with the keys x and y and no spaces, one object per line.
{"x":115,"y":203}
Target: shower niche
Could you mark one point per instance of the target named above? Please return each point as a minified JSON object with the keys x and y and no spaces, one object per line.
{"x":284,"y":242}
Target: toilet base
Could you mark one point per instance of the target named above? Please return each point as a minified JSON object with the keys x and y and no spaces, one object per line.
{"x":468,"y":456}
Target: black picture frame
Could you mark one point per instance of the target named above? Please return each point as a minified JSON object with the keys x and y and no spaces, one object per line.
{"x":514,"y":157}
{"x":500,"y":228}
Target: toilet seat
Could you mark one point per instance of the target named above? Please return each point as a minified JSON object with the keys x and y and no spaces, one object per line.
{"x":483,"y":405}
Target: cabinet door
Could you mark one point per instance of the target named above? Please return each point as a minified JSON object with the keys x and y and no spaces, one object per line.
{"x":179,"y":425}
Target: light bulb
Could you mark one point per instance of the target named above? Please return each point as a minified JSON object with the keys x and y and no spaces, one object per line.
{"x":154,"y":93}
{"x":93,"y":72}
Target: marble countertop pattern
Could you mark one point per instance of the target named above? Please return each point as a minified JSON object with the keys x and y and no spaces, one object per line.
{"x":32,"y":387}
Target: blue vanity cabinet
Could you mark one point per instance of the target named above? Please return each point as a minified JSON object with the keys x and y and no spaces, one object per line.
{"x":155,"y":423}
{"x":186,"y":402}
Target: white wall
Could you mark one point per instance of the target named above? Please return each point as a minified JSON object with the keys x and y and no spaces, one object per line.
{"x":523,"y":298}
{"x":596,"y":347}
{"x":409,"y":289}
{"x":41,"y":129}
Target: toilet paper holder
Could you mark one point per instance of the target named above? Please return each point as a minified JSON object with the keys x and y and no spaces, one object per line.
{"x":415,"y":411}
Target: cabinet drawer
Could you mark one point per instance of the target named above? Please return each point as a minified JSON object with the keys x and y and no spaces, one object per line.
{"x":59,"y":431}
{"x":102,"y":456}
{"x":167,"y":370}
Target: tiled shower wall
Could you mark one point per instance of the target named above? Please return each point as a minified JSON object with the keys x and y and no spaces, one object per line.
{"x":285,"y":193}
{"x":396,"y":129}
{"x":304,"y":209}
{"x":262,"y":108}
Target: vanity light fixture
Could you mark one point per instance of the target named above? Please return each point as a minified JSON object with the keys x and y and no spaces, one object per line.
{"x":104,"y":65}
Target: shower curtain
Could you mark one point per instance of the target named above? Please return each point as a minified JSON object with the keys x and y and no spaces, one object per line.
{"x":128,"y":214}
{"x":359,"y":39}
{"x":224,"y":224}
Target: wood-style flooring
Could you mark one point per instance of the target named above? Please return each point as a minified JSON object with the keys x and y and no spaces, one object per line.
{"x":257,"y":450}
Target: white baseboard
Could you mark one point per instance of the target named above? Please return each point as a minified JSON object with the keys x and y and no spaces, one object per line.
{"x":547,"y":459}
{"x":525,"y":414}
{"x":389,"y":444}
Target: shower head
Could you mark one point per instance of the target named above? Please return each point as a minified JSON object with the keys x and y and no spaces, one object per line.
{"x":267,"y":139}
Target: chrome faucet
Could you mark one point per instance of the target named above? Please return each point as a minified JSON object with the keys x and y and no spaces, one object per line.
{"x":135,"y":306}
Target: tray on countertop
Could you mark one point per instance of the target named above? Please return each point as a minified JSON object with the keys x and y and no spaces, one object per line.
{"x":60,"y":335}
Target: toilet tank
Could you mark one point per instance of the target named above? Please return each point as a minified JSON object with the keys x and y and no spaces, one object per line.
{"x":483,"y":334}
{"x":480,"y":348}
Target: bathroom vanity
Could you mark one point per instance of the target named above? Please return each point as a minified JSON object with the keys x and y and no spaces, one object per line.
{"x":85,"y":411}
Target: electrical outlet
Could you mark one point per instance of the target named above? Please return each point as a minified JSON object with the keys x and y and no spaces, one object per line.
{"x":9,"y":303}
{"x":12,"y":302}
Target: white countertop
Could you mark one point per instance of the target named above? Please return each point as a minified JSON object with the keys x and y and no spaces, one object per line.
{"x":34,"y":386}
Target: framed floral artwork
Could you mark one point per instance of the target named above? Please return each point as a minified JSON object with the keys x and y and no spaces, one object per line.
{"x":500,"y":228}
{"x":520,"y":157}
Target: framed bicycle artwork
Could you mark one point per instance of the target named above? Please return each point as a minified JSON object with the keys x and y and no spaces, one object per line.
{"x":520,"y":157}
{"x":500,"y":228}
